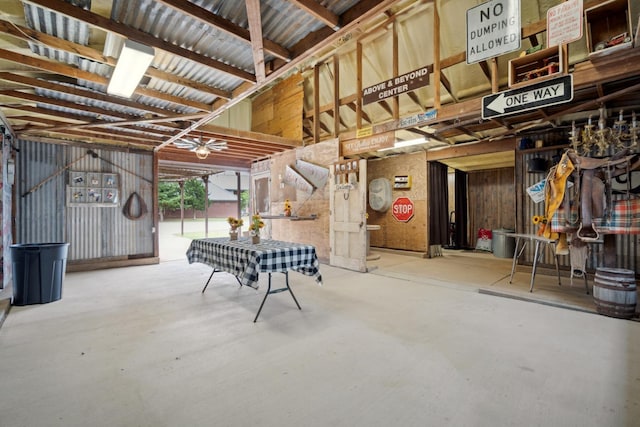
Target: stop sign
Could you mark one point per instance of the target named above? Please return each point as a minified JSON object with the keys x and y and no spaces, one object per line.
{"x":402,"y":209}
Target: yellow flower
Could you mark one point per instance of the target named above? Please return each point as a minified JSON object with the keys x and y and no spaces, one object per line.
{"x":538,"y":219}
{"x":256,"y":224}
{"x":235,"y":222}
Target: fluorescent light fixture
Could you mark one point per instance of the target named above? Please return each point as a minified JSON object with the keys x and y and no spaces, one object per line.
{"x":134,"y":60}
{"x":400,"y":144}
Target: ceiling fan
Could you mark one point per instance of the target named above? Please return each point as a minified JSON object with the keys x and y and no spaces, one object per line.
{"x":200,"y":147}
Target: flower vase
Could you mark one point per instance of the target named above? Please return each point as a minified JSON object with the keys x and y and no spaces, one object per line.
{"x":255,"y":239}
{"x":233,"y":235}
{"x":287,"y":213}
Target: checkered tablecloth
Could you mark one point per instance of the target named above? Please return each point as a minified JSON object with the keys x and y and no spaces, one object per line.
{"x":246,"y":260}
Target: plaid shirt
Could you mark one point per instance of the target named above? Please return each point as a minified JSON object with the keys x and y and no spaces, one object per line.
{"x":246,"y":260}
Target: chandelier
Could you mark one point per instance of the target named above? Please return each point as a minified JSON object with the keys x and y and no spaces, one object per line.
{"x":600,"y":140}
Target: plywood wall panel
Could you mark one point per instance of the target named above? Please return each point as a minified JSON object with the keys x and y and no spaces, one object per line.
{"x":279,"y":111}
{"x":411,"y":235}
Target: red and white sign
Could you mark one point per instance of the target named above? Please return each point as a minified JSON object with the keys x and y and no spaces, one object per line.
{"x":402,"y":209}
{"x":564,"y":23}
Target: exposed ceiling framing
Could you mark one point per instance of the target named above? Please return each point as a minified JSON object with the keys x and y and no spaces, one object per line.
{"x":56,"y":58}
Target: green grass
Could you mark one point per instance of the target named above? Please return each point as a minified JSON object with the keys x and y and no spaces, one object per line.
{"x":200,"y":234}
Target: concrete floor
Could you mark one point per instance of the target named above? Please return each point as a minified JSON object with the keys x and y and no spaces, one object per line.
{"x":412,"y":343}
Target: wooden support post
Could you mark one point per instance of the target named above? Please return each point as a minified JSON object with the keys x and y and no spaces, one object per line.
{"x":436,"y":56}
{"x":358,"y":85}
{"x":181,"y":184}
{"x":495,"y":84}
{"x":395,"y":105}
{"x":336,"y":95}
{"x":205,"y":178}
{"x":316,"y":104}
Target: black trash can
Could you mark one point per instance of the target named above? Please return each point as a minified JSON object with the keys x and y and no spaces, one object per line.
{"x":38,"y":271}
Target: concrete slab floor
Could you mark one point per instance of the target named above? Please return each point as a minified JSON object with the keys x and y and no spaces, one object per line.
{"x":142,"y":346}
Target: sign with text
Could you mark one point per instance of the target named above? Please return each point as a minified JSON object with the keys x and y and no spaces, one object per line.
{"x":396,"y":86}
{"x":402,"y":209}
{"x":564,"y":23}
{"x":418,"y":119}
{"x":363,"y":132}
{"x":493,"y":29}
{"x":370,"y":143}
{"x":538,"y":95}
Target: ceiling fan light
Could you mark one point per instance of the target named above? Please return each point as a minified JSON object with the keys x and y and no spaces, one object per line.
{"x":202,"y":152}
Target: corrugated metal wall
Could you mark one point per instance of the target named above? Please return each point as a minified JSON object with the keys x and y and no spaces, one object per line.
{"x":627,"y":255}
{"x":94,"y":232}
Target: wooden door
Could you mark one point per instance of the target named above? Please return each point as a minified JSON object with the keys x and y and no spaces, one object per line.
{"x":347,"y":230}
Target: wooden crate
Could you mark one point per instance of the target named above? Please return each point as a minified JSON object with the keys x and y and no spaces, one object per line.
{"x":537,"y":66}
{"x":608,"y":28}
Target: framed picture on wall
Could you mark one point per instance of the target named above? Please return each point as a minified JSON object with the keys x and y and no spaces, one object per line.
{"x":94,"y":179}
{"x":109,"y":195}
{"x":93,"y":189}
{"x":94,"y":195}
{"x":76,"y":195}
{"x":109,"y":180}
{"x":77,"y":179}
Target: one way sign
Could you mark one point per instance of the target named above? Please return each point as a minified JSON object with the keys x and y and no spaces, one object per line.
{"x":538,"y":95}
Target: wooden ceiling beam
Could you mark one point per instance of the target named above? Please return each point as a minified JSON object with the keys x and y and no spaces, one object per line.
{"x":209,"y":18}
{"x":87,"y":136}
{"x":340,"y":121}
{"x":66,"y":70}
{"x":255,"y":28}
{"x":106,"y":24}
{"x":319,"y":12}
{"x":220,"y":132}
{"x":132,"y":135}
{"x":80,"y":92}
{"x":447,"y":85}
{"x":64,"y":104}
{"x":485,"y":69}
{"x":353,"y":107}
{"x":29,"y":35}
{"x":304,"y":49}
{"x":86,"y":121}
{"x":386,"y":107}
{"x":189,"y":157}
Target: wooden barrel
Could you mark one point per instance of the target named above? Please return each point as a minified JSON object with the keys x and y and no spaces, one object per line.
{"x":614,"y":292}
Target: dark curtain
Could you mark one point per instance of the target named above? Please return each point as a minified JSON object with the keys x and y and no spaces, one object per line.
{"x":460,"y":239}
{"x":438,"y":204}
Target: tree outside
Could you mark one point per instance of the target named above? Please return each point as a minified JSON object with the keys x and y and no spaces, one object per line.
{"x":169,"y":196}
{"x":194,"y":195}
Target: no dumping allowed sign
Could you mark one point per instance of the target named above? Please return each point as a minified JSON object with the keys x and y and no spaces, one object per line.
{"x":493,"y":29}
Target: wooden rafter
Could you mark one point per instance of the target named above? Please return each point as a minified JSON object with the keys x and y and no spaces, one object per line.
{"x":106,"y":24}
{"x":79,"y":92}
{"x":209,"y":18}
{"x":66,"y":70}
{"x":257,"y":47}
{"x":29,"y":35}
{"x":319,"y":12}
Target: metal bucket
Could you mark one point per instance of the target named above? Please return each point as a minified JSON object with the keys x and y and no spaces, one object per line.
{"x":614,"y":292}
